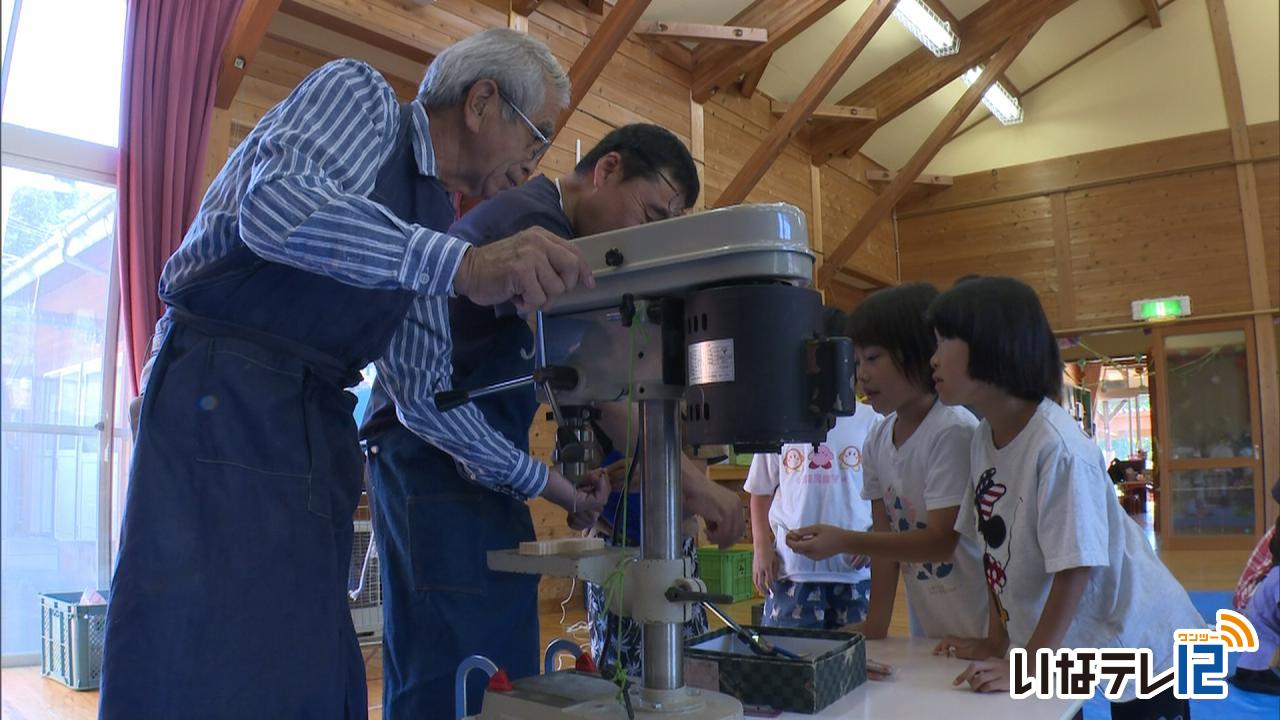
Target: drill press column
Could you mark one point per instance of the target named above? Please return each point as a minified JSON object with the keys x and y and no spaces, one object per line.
{"x":660,"y":539}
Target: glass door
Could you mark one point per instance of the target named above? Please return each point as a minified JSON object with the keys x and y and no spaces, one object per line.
{"x":1208,"y":439}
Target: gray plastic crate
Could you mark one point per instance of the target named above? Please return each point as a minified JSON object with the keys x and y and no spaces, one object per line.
{"x":71,"y":640}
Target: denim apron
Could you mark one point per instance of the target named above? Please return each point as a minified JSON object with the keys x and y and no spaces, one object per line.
{"x":229,"y":594}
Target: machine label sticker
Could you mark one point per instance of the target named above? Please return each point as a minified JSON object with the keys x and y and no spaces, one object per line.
{"x":711,"y":361}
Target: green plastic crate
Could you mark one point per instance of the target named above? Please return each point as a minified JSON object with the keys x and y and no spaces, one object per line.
{"x":71,"y":639}
{"x":727,"y":571}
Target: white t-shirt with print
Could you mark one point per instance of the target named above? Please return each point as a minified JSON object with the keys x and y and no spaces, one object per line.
{"x":817,"y":486}
{"x":1043,"y":504}
{"x":930,"y":472}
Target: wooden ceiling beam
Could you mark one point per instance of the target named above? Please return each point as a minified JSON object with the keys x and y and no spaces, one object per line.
{"x":844,"y":113}
{"x":358,"y":20}
{"x":295,"y":58}
{"x":943,"y":12}
{"x":599,"y":50}
{"x":889,"y":175}
{"x":331,"y":45}
{"x":920,"y":74}
{"x":1008,"y":85}
{"x":1152,"y":10}
{"x":525,"y":7}
{"x":1255,"y":242}
{"x":719,"y":67}
{"x":702,"y":33}
{"x":1037,"y":84}
{"x":898,"y":186}
{"x":246,"y":35}
{"x":596,"y":6}
{"x":819,"y":86}
{"x":751,"y":79}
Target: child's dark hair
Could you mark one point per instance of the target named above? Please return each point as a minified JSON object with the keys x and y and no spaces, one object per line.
{"x":1010,"y":342}
{"x":893,"y":319}
{"x":647,"y":150}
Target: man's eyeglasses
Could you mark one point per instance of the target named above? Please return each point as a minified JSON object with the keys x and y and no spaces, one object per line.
{"x":544,"y":142}
{"x":674,"y":206}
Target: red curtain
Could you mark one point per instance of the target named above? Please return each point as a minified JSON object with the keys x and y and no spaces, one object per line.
{"x":172,"y":52}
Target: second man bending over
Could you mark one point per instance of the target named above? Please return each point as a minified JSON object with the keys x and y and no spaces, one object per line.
{"x":434,"y":524}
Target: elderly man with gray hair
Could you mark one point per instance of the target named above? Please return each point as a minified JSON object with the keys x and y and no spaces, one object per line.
{"x":319,"y":248}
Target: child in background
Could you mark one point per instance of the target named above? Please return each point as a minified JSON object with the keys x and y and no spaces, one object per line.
{"x":1259,"y":564}
{"x":1258,"y":596}
{"x":805,"y":485}
{"x":1066,"y":567}
{"x":915,"y":470}
{"x":1259,"y":671}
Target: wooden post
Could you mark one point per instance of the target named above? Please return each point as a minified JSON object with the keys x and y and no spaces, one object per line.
{"x":1255,"y":255}
{"x":516,"y":20}
{"x":815,"y":217}
{"x":698,"y":148}
{"x":751,"y":79}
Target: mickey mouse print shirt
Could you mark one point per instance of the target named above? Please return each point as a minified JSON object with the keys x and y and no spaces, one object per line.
{"x":818,"y":485}
{"x":1043,"y":504}
{"x":930,"y":472}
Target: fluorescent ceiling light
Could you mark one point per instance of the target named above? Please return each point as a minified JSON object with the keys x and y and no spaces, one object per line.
{"x":932,"y":31}
{"x":999,"y":101}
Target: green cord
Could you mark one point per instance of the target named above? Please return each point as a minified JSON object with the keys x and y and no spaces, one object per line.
{"x":617,"y":577}
{"x":615,"y":581}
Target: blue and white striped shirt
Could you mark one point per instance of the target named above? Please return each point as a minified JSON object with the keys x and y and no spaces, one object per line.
{"x":296,"y":192}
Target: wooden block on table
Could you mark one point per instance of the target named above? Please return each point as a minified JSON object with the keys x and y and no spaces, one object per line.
{"x":561,"y":546}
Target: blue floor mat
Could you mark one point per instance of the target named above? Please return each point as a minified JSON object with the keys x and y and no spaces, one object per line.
{"x":1238,"y":705}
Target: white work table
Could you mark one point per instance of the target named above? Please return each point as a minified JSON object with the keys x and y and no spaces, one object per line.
{"x":921,"y":688}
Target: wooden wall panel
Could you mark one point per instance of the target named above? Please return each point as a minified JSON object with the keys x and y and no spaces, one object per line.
{"x":733,"y":127}
{"x":1160,"y":218}
{"x":1009,"y":238}
{"x":636,"y":86}
{"x":845,"y":297}
{"x":1189,"y":152}
{"x":1173,"y":235}
{"x":1269,"y":204}
{"x":846,"y":194}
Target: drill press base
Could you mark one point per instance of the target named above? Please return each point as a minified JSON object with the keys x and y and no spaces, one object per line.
{"x":573,"y":694}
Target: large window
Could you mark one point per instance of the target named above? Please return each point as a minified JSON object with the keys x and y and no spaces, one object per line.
{"x":64,"y":443}
{"x":63,"y":74}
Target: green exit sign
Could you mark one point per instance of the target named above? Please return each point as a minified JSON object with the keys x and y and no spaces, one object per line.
{"x":1162,"y":308}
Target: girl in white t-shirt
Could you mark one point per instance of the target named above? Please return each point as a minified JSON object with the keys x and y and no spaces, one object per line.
{"x":915,"y":468}
{"x":808,"y":484}
{"x":1065,"y":566}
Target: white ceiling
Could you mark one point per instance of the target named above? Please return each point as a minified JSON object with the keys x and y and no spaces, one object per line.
{"x":1148,"y":84}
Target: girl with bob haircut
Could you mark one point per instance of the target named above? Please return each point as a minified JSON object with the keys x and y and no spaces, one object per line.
{"x":1065,"y":566}
{"x":915,"y":470}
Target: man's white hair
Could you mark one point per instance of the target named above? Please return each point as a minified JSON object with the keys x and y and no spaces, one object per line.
{"x":521,"y":65}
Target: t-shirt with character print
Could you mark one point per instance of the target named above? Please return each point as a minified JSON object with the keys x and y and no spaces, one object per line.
{"x":930,"y":472}
{"x":1043,"y":504}
{"x":818,"y":485}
